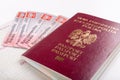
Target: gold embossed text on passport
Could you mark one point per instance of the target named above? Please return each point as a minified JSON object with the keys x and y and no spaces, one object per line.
{"x":63,"y":51}
{"x":96,"y":26}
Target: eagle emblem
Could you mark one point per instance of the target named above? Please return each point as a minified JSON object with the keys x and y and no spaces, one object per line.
{"x":81,"y":38}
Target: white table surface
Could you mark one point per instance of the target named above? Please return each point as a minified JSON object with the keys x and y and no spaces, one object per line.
{"x":10,"y":67}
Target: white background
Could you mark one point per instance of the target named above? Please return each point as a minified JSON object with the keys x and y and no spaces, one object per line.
{"x":108,"y":9}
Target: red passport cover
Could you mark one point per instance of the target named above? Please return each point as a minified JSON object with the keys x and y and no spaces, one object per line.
{"x":79,"y":47}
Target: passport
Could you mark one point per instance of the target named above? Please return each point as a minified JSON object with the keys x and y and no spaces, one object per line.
{"x":80,"y":49}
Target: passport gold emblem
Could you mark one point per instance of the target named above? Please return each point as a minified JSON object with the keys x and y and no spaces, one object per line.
{"x":81,"y":38}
